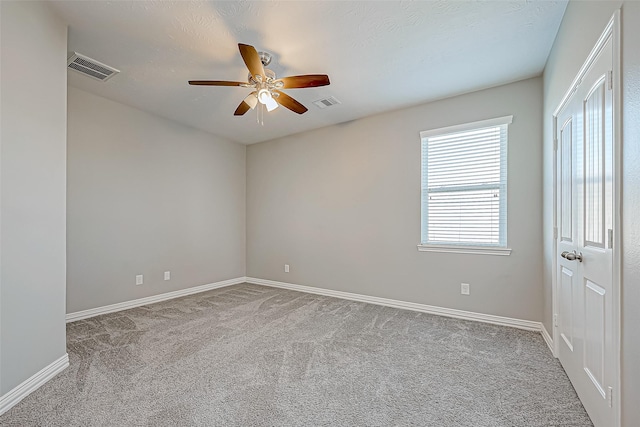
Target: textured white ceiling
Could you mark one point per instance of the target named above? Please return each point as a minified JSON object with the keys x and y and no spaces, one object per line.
{"x":379,"y":55}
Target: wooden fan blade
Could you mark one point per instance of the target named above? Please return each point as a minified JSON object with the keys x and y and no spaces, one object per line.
{"x":290,"y":103}
{"x":252,"y":60}
{"x":308,"y":80}
{"x":215,"y":83}
{"x":242,"y":108}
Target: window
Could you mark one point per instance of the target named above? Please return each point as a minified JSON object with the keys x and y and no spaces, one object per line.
{"x":464,"y":188}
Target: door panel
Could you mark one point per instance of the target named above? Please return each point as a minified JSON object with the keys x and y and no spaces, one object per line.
{"x":566,"y":307}
{"x":566,"y":183}
{"x":594,"y":306}
{"x":594,"y":110}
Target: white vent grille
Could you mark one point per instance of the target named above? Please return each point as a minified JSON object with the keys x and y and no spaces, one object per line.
{"x":91,"y":67}
{"x":327,"y":102}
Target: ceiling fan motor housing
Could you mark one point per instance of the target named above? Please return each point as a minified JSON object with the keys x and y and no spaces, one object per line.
{"x":265,"y":58}
{"x":269,"y":74}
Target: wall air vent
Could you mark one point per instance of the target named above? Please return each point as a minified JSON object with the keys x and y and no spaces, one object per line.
{"x":327,"y":102}
{"x":91,"y":67}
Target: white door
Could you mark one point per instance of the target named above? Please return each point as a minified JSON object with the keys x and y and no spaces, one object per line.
{"x":584,"y":301}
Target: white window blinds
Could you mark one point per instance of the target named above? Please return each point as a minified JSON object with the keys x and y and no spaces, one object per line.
{"x":464,"y":184}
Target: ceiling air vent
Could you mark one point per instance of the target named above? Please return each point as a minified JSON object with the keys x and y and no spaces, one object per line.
{"x":91,"y":67}
{"x":327,"y":102}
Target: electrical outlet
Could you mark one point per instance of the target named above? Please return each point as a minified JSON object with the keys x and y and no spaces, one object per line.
{"x":286,"y":268}
{"x":139,"y":279}
{"x":167,"y":275}
{"x":464,"y":288}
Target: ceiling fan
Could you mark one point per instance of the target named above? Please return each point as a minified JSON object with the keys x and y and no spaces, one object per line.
{"x":265,"y":84}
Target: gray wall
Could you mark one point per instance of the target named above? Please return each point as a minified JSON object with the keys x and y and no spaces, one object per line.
{"x":148,"y":195}
{"x":630,"y":209}
{"x":341,"y":205}
{"x":32,"y":177}
{"x":582,"y":25}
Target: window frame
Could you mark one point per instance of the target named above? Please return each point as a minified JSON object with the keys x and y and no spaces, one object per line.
{"x":500,"y":248}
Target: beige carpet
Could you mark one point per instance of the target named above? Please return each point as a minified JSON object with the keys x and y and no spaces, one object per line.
{"x":248,"y":355}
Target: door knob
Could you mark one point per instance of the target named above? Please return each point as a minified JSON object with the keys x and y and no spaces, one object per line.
{"x":571,"y":256}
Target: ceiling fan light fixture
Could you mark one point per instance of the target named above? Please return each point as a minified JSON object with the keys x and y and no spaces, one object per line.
{"x":264,"y":96}
{"x":271,"y":104}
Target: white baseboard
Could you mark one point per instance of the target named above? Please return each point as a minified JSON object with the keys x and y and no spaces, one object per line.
{"x":84,"y":314}
{"x":431,"y":309}
{"x":441,"y":311}
{"x":547,"y":339}
{"x":10,"y":399}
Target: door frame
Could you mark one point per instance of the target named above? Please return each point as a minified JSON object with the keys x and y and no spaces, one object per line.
{"x":611,"y":30}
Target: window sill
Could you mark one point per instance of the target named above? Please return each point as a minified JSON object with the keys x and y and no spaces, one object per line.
{"x":483,"y":250}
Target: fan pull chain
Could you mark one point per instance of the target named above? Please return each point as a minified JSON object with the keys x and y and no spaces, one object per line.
{"x":259,"y":115}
